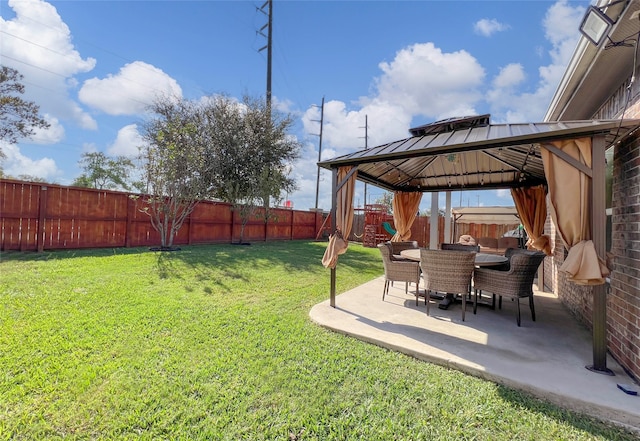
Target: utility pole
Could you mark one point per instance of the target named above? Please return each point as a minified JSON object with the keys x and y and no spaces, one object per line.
{"x":321,"y":121}
{"x":268,"y":46}
{"x":366,"y":146}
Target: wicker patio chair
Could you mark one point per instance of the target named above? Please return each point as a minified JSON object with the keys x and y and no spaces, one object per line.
{"x":397,"y":247}
{"x":447,"y":271}
{"x":459,"y":247}
{"x":514,"y":283}
{"x":398,"y":271}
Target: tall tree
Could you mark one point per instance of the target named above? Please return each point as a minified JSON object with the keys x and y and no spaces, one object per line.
{"x":275,"y":150}
{"x":226,"y":164}
{"x":105,"y":172}
{"x":18,"y":118}
{"x":253,"y":152}
{"x":174,"y":165}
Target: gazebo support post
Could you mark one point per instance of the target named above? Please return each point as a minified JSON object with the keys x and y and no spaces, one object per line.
{"x":598,"y":235}
{"x":447,"y":218}
{"x":334,"y":225}
{"x":433,"y":222}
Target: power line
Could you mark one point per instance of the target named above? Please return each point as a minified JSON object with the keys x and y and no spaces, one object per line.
{"x":144,"y":66}
{"x":321,"y":121}
{"x":269,"y":45}
{"x":34,"y":66}
{"x":34,"y":43}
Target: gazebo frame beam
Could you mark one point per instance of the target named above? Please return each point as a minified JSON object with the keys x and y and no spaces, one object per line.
{"x":598,"y":235}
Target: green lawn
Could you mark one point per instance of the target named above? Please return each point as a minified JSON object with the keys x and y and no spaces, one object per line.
{"x":215,"y":343}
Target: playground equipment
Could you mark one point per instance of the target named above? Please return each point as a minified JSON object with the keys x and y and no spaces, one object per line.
{"x":377,"y":228}
{"x":377,"y":225}
{"x":388,"y":228}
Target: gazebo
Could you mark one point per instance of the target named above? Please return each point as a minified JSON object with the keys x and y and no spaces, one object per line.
{"x":564,"y":159}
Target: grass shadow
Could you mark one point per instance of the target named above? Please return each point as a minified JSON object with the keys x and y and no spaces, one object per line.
{"x":293,"y":255}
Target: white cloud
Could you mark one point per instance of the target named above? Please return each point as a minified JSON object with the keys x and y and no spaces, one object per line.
{"x":560,"y":24}
{"x":126,"y":143}
{"x":511,"y":105}
{"x":284,"y":106}
{"x":510,"y":76}
{"x":344,"y":130}
{"x":130,"y":91}
{"x":425,"y":81}
{"x":52,"y":135}
{"x":487,"y":27}
{"x":38,"y":44}
{"x":305,"y":173}
{"x":504,"y":86}
{"x":16,"y":164}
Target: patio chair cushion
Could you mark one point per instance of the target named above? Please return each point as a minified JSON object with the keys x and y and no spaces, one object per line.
{"x":467,"y":240}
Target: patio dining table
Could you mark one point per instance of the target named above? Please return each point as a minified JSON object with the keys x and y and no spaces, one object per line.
{"x":481,"y":260}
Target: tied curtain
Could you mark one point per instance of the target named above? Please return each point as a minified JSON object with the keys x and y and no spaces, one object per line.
{"x":405,"y":209}
{"x":531,"y":205}
{"x":338,"y":241}
{"x":569,"y":193}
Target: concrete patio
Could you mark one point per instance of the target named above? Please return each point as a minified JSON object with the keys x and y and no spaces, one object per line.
{"x":546,"y":358}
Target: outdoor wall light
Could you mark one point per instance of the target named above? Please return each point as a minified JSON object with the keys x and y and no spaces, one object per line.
{"x":595,"y":25}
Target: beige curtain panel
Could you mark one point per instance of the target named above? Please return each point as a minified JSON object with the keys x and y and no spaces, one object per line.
{"x":405,"y":209}
{"x":531,"y":204}
{"x":570,"y":211}
{"x":338,"y":241}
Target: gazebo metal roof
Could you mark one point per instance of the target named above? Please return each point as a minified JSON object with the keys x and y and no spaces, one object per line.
{"x":472,"y":158}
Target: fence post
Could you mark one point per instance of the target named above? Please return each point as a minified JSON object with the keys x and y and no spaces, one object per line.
{"x":42,"y":211}
{"x":293,"y":213}
{"x":233,"y":223}
{"x":130,"y":208}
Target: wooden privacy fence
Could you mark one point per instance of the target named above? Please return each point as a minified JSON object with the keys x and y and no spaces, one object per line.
{"x":37,"y":217}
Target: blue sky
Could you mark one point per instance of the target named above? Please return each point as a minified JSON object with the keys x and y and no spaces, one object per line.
{"x":93,"y":67}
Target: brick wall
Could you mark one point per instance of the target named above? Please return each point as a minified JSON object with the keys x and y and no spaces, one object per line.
{"x":624,"y":300}
{"x":576,"y":297}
